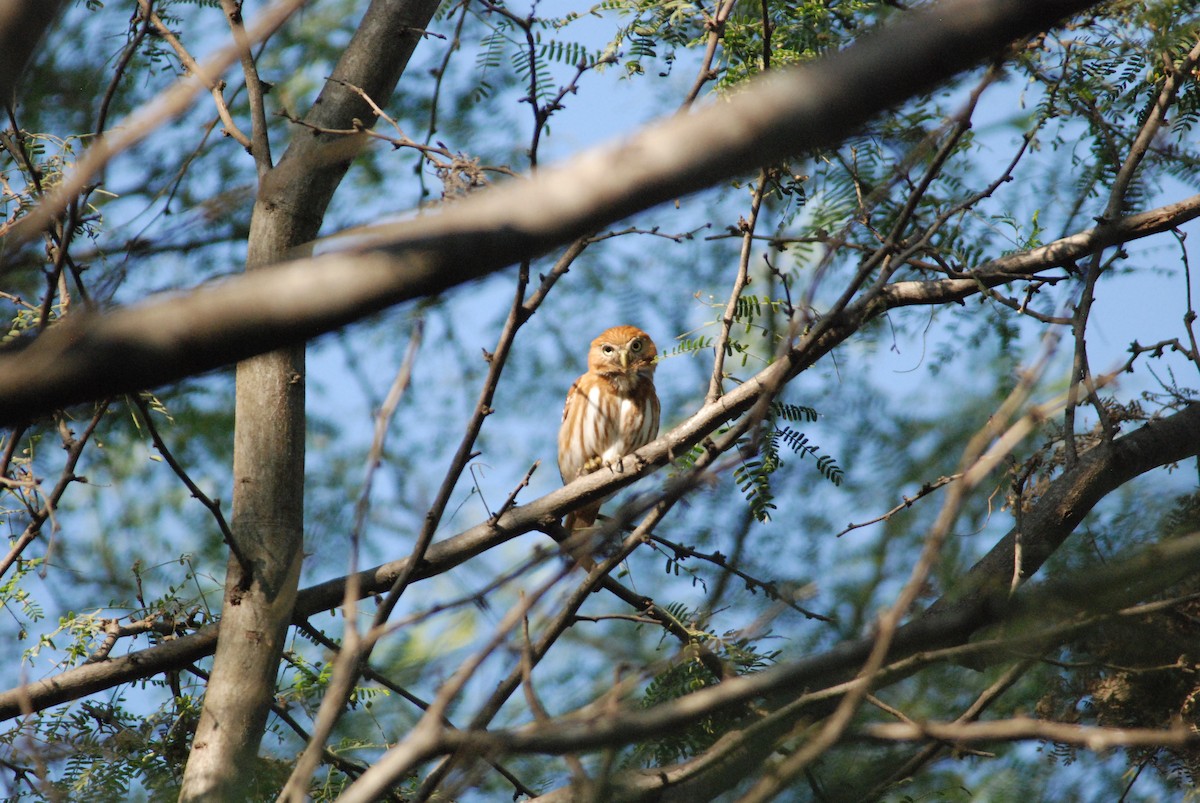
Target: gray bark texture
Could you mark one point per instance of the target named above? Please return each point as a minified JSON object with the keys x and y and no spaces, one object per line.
{"x":268,"y":465}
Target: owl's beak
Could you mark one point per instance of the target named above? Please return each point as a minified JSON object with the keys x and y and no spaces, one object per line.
{"x":624,"y":359}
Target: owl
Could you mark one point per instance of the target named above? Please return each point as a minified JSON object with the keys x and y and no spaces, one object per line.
{"x":611,"y":410}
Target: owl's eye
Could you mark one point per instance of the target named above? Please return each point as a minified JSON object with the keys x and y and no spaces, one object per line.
{"x":607,"y":349}
{"x":635,"y":345}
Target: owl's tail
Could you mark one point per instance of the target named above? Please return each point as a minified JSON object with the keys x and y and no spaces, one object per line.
{"x":575,"y":523}
{"x":579,"y":519}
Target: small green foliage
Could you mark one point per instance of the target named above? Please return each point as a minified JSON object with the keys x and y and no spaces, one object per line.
{"x":530,"y":56}
{"x":309,"y":680}
{"x":753,"y":476}
{"x":800,"y":32}
{"x":750,"y":308}
{"x":798,"y":442}
{"x":688,"y":346}
{"x":109,"y":750}
{"x":686,"y":674}
{"x":794,"y":412}
{"x":656,"y":30}
{"x":15,"y":598}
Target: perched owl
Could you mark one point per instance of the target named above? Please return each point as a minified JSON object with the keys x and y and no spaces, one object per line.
{"x":611,"y":410}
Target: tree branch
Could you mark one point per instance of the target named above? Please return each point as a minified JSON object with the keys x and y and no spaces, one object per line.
{"x":139,"y":125}
{"x":22,"y":25}
{"x":784,"y":113}
{"x":1027,"y":728}
{"x":950,"y":621}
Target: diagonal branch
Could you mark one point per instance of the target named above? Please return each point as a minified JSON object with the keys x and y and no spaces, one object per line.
{"x":22,"y":25}
{"x":784,"y":113}
{"x":1027,"y":728}
{"x":950,"y":621}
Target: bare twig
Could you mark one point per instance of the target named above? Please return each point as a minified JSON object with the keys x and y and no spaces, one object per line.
{"x":213,"y":505}
{"x":260,"y":148}
{"x":752,"y":583}
{"x":717,"y":380}
{"x":215,"y":86}
{"x":716,"y":32}
{"x":74,"y":447}
{"x":139,"y":125}
{"x":908,"y":502}
{"x":512,"y":497}
{"x":355,"y":649}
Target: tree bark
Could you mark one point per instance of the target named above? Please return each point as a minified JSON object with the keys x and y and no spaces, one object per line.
{"x":22,"y":25}
{"x":268,"y":464}
{"x":89,"y":357}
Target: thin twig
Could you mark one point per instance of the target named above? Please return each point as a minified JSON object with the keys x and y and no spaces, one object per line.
{"x":138,"y":125}
{"x":213,"y":505}
{"x":215,"y":86}
{"x":74,"y":447}
{"x":907,"y":502}
{"x":716,"y":32}
{"x":260,"y":148}
{"x":356,"y":649}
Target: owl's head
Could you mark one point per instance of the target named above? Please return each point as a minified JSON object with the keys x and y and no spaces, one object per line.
{"x":624,"y":351}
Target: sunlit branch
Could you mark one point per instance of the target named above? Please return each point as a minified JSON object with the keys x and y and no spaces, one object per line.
{"x":717,"y":381}
{"x":990,"y":695}
{"x":782,"y":114}
{"x":1026,"y":728}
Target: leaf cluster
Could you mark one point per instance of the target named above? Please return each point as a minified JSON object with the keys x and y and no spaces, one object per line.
{"x":687,"y":674}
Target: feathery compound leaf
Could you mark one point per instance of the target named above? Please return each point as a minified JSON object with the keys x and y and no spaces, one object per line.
{"x":794,"y":412}
{"x":689,"y":346}
{"x":798,"y":443}
{"x":754,"y":479}
{"x":750,"y":307}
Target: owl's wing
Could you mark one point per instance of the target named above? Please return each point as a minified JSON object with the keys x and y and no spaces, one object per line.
{"x":570,"y":458}
{"x":652,"y":418}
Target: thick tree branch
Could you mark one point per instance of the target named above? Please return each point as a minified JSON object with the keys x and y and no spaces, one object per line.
{"x":1048,"y":523}
{"x":22,"y":25}
{"x":783,"y":114}
{"x":1049,"y":520}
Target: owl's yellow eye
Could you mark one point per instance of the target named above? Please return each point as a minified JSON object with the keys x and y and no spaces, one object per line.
{"x":607,"y":349}
{"x":635,"y":345}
